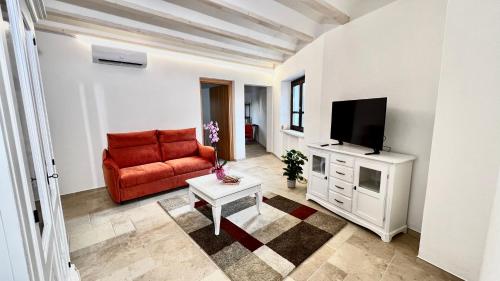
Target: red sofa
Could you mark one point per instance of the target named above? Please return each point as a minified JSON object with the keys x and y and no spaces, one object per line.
{"x":142,"y":163}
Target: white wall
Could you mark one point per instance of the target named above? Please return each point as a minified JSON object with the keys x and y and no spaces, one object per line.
{"x":257,"y":98}
{"x":465,"y":156}
{"x":87,"y":100}
{"x":490,"y":271}
{"x":393,"y":52}
{"x":308,"y":62}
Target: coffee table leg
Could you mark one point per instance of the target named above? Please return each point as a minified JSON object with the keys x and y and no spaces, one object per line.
{"x":258,"y":200}
{"x":191,"y":199}
{"x":216,"y":212}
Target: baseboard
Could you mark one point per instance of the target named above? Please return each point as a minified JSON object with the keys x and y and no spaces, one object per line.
{"x":66,"y":195}
{"x":74,"y":274}
{"x":440,"y":267}
{"x":274,"y":154}
{"x":414,"y":233}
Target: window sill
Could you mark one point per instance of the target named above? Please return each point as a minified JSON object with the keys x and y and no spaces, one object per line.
{"x":293,"y":133}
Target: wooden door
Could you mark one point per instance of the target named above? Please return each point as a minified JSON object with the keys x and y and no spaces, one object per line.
{"x":220,"y":112}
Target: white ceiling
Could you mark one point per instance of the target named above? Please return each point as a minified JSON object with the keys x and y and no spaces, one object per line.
{"x":255,"y":32}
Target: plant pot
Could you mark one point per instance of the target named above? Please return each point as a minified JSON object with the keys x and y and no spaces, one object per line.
{"x":291,"y":184}
{"x":220,"y":173}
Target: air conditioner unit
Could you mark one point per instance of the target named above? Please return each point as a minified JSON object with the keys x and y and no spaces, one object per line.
{"x":107,"y":55}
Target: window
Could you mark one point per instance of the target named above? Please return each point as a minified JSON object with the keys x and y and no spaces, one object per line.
{"x":296,"y":102}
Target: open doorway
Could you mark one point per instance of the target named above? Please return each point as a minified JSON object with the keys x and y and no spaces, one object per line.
{"x":216,"y":105}
{"x":255,"y":121}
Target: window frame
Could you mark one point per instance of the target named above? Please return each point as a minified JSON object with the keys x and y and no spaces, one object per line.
{"x":299,"y":81}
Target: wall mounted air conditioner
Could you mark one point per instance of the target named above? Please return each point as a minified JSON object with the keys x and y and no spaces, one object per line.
{"x":107,"y":55}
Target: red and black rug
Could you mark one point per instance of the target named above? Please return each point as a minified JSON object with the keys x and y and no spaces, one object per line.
{"x":256,"y":247}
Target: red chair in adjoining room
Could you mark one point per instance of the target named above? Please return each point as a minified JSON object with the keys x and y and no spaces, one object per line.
{"x":248,"y":133}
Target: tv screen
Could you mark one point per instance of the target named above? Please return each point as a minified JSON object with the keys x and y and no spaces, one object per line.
{"x":360,"y":122}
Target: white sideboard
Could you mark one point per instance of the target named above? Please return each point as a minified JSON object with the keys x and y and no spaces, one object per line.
{"x":370,"y":190}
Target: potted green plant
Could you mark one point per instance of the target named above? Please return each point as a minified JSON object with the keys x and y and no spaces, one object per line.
{"x":294,"y":160}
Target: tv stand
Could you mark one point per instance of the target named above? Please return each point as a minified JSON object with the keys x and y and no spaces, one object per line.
{"x":375,"y":152}
{"x":370,"y":190}
{"x":327,"y":144}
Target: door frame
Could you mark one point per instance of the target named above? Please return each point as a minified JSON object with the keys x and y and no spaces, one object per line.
{"x":37,"y":255}
{"x":269,"y":114}
{"x":15,"y":239}
{"x":230,"y":85}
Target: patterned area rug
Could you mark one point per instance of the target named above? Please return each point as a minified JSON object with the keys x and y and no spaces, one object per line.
{"x":250,"y":246}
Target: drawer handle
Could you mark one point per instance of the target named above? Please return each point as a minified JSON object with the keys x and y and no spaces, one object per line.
{"x":340,"y":173}
{"x":338,"y":201}
{"x":338,"y":187}
{"x":340,"y":161}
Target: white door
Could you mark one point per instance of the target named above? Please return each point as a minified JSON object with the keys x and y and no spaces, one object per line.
{"x":318,"y":174}
{"x":370,"y":188}
{"x":53,"y":254}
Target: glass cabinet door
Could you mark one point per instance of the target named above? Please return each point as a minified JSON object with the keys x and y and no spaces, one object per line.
{"x":318,"y":174}
{"x":370,"y":180}
{"x":319,"y":164}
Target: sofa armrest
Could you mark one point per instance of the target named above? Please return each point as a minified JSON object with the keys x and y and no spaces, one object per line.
{"x":111,"y":173}
{"x":207,"y":152}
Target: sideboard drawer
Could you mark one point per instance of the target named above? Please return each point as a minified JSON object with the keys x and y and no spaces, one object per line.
{"x":340,"y":200}
{"x":341,"y":187}
{"x":341,"y":172}
{"x":342,"y":159}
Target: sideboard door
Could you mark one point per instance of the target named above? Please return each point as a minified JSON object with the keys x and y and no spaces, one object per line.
{"x":318,"y":174}
{"x":370,"y":181}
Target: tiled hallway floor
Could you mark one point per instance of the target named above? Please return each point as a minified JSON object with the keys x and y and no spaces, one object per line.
{"x":139,"y":241}
{"x":255,"y":149}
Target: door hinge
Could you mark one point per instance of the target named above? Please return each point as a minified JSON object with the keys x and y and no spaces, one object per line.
{"x":53,"y":162}
{"x":34,"y":41}
{"x":69,"y":264}
{"x":54,"y":176}
{"x":35,"y":215}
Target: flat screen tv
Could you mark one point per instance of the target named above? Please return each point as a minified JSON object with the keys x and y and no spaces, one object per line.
{"x":360,"y":122}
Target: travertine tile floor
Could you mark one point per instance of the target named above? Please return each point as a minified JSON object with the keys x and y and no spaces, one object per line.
{"x":139,"y":241}
{"x":255,"y":149}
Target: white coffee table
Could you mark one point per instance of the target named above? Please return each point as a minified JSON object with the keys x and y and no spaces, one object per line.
{"x":217,"y":194}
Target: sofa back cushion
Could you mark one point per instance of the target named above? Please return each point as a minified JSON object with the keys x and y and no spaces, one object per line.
{"x":136,"y":148}
{"x":176,"y":144}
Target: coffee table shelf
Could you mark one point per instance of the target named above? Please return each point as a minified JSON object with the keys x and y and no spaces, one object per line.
{"x":217,"y":194}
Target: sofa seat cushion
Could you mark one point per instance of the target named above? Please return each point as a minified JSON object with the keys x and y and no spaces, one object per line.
{"x":146,"y":173}
{"x":188,"y":164}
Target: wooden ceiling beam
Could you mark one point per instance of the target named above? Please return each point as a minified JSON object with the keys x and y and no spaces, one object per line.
{"x":230,"y":7}
{"x":321,"y":11}
{"x":83,"y":17}
{"x":66,"y":29}
{"x":328,"y":9}
{"x":147,"y":35}
{"x":180,"y":15}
